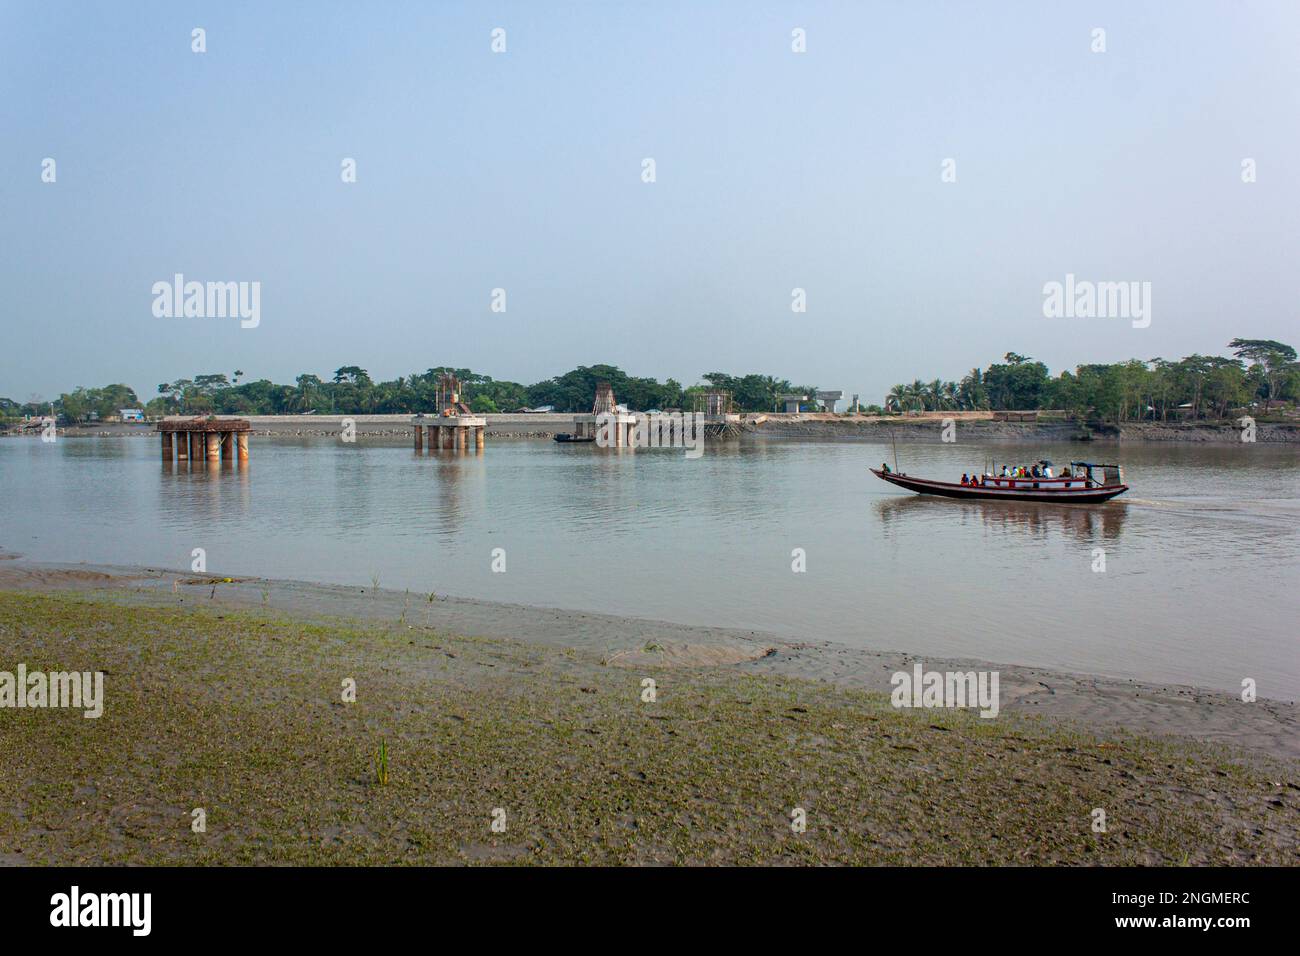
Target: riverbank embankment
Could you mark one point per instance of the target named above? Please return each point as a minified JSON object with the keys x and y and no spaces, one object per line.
{"x":969,"y":427}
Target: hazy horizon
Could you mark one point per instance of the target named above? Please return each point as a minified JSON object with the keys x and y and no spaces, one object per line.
{"x":522,"y":171}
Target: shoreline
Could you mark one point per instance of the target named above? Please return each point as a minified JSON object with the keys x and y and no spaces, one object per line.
{"x":1098,"y":703}
{"x":972,"y":427}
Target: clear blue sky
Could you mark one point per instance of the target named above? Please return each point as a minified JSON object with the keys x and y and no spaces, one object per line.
{"x":522,"y":171}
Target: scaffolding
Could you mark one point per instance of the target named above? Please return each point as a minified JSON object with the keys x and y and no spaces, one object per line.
{"x":619,"y":425}
{"x":447,"y":396}
{"x":714,"y":404}
{"x":604,"y":402}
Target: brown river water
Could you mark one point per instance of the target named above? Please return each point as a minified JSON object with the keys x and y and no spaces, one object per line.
{"x":1201,"y":579}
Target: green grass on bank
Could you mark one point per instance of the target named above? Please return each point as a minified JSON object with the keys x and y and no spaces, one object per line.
{"x":241,"y":714}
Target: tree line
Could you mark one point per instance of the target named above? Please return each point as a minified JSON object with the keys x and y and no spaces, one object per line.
{"x":1261,"y":373}
{"x":351,"y":391}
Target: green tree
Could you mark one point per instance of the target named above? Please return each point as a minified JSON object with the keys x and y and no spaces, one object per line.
{"x":1274,"y":357}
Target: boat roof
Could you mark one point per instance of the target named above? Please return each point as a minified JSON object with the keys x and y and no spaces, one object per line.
{"x":1092,"y":464}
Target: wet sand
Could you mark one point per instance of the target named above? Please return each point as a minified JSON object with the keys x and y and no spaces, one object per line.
{"x":238,"y":713}
{"x":1098,"y":703}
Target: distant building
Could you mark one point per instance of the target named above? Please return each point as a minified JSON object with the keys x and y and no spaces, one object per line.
{"x":131,"y":414}
{"x":829,"y":398}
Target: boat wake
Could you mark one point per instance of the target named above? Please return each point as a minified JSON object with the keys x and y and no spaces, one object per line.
{"x":1259,"y":510}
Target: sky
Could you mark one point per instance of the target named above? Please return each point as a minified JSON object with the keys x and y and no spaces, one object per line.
{"x":523,"y":170}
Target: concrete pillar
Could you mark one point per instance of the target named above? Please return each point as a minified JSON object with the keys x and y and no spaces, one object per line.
{"x":227,"y":440}
{"x":419,"y":438}
{"x":462,"y":439}
{"x":434,"y":435}
{"x":167,"y":446}
{"x":183,"y":446}
{"x":478,"y":437}
{"x":196,"y":445}
{"x":242,"y":440}
{"x":448,"y":436}
{"x":213,"y":442}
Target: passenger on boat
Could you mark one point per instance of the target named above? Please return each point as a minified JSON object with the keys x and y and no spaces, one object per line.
{"x":965,"y":480}
{"x":1034,"y":472}
{"x":884,"y":466}
{"x":1065,"y":472}
{"x":1047,"y":471}
{"x":1005,"y":473}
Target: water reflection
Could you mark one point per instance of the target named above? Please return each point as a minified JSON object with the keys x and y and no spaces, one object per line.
{"x":708,"y":541}
{"x":1087,"y":523}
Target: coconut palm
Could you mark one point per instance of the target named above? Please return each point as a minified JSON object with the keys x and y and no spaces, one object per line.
{"x":895,"y":399}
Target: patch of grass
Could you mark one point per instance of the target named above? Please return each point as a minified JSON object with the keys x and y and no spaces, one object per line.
{"x":381,"y":763}
{"x":239,"y":712}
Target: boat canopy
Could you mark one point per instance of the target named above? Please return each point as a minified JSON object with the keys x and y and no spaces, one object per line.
{"x":1110,"y":474}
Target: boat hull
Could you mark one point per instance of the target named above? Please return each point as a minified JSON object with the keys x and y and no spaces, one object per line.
{"x":1054,"y":492}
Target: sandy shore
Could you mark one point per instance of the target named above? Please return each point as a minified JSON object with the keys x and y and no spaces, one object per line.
{"x":229,"y":698}
{"x":1268,"y":727}
{"x":469,"y":750}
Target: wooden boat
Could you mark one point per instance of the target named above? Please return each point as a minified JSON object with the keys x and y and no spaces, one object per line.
{"x":1082,"y":487}
{"x":575,"y":439}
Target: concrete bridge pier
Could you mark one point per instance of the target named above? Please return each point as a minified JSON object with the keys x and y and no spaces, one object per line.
{"x":211,"y":439}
